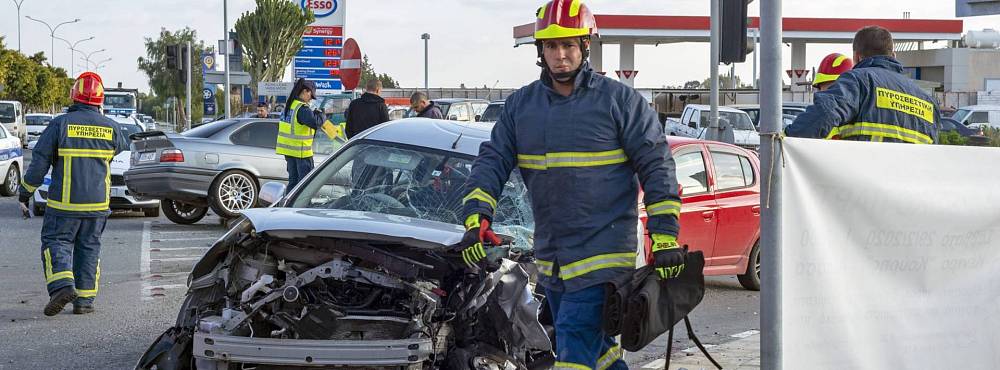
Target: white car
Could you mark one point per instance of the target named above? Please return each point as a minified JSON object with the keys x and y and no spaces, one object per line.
{"x":11,"y":162}
{"x":36,"y":123}
{"x":978,"y":115}
{"x":128,"y":120}
{"x":121,"y":198}
{"x":694,"y":123}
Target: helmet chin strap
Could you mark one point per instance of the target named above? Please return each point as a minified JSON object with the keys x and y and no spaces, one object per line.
{"x":562,"y":77}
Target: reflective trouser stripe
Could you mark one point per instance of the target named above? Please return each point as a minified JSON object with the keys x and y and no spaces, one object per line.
{"x":667,"y":207}
{"x":598,"y":262}
{"x":569,"y":366}
{"x":49,"y":275}
{"x":880,"y":131}
{"x":480,"y":194}
{"x":571,"y":159}
{"x":613,"y":354}
{"x":544,"y":267}
{"x":90,"y":293}
{"x":28,"y":187}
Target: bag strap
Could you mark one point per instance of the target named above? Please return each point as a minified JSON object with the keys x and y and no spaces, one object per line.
{"x":693,"y":338}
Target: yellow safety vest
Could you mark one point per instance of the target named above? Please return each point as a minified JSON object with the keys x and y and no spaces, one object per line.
{"x":295,"y":139}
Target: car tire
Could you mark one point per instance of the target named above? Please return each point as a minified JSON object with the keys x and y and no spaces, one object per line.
{"x":151,"y":212}
{"x":180,"y":213}
{"x":750,"y":280}
{"x":11,"y":181}
{"x":232,"y":192}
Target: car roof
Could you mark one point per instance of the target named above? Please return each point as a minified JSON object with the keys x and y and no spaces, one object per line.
{"x":38,"y":115}
{"x":981,"y":107}
{"x":433,"y":133}
{"x":459,"y":100}
{"x":722,"y":108}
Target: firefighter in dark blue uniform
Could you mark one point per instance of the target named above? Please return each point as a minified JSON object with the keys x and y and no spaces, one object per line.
{"x":78,"y":146}
{"x":579,"y":140}
{"x":874,"y":101}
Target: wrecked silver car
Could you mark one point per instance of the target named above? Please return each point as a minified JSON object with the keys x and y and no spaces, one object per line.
{"x":354,"y":269}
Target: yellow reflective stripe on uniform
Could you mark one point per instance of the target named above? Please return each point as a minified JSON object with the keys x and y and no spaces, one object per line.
{"x":48,"y":262}
{"x":88,"y":153}
{"x":667,"y":207}
{"x":544,"y":267}
{"x":481,"y":195}
{"x":294,"y":137}
{"x":28,"y":187}
{"x":905,"y":103}
{"x":59,"y":276}
{"x":569,"y":366}
{"x":67,"y":182}
{"x":571,"y":159}
{"x":598,"y":262}
{"x":78,"y":207}
{"x":90,"y":293}
{"x":880,"y":130}
{"x":613,"y":354}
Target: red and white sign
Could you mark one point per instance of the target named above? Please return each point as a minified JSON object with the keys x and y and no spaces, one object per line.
{"x":324,"y":31}
{"x":800,"y":79}
{"x":627,"y":77}
{"x":350,"y":65}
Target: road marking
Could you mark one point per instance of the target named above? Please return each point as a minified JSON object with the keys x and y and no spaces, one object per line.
{"x":158,"y":249}
{"x":144,"y":255}
{"x":176,"y":259}
{"x":746,"y":334}
{"x":182,"y":239}
{"x":191,"y":232}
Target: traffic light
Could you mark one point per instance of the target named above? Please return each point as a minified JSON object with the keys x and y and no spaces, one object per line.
{"x":733,"y":32}
{"x":183,"y":62}
{"x":172,"y":55}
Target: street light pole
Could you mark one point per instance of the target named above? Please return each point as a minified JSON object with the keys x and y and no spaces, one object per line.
{"x":225,"y":33}
{"x":52,"y":34}
{"x":100,"y":64}
{"x":72,"y":53}
{"x":770,"y":150}
{"x":87,"y":58}
{"x":426,"y":37}
{"x":18,"y":5}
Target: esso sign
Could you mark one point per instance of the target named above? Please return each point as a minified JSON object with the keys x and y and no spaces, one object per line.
{"x":321,"y":8}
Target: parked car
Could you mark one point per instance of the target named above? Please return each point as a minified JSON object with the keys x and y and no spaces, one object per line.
{"x":127,"y":119}
{"x":120,"y":198}
{"x":792,"y":109}
{"x":950,"y":124}
{"x":12,"y":117}
{"x":11,"y":162}
{"x":355,"y":269}
{"x":218,"y":165}
{"x":36,"y":123}
{"x":492,"y":112}
{"x":694,"y":123}
{"x":397,"y":111}
{"x":978,"y":115}
{"x":466,"y":110}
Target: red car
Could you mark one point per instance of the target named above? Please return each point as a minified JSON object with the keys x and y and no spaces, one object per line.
{"x":720,"y":211}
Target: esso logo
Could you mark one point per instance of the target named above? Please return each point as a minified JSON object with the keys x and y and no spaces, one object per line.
{"x":320,"y":8}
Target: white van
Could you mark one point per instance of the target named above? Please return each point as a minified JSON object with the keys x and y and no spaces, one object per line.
{"x":694,"y":123}
{"x":12,"y":117}
{"x":978,"y":115}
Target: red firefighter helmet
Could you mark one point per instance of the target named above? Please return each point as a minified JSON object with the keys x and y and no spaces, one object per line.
{"x":564,"y":18}
{"x":832,"y":67}
{"x":88,"y":89}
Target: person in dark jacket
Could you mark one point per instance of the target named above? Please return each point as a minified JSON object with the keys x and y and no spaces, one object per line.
{"x":873,"y":102}
{"x":583,"y":143}
{"x":425,"y":108}
{"x":366,"y":111}
{"x":296,"y":131}
{"x":78,"y":148}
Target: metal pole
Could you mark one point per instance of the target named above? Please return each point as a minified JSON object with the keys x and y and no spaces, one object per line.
{"x":225,"y":33}
{"x":770,"y":226}
{"x":427,"y":38}
{"x":756,"y":45}
{"x":18,"y":4}
{"x":713,"y":117}
{"x":187,"y":89}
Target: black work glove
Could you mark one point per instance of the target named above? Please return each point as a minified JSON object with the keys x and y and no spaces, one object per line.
{"x":22,"y":200}
{"x":478,"y":235}
{"x":668,"y":257}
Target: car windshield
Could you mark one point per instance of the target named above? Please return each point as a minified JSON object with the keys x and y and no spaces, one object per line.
{"x":738,"y":120}
{"x":400,"y":180}
{"x":492,"y":113}
{"x":119,"y":101}
{"x":38,"y":120}
{"x":208,"y":129}
{"x":443,"y":107}
{"x":960,"y":115}
{"x":129,"y":129}
{"x":6,"y":113}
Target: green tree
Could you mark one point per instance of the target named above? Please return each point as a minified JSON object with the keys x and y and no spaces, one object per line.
{"x":271,"y":34}
{"x":29,"y":80}
{"x":167,"y":82}
{"x":368,"y":73}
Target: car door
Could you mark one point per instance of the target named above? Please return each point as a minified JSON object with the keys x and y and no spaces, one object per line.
{"x":7,"y":152}
{"x":254,"y":145}
{"x":698,"y":220}
{"x":737,"y":196}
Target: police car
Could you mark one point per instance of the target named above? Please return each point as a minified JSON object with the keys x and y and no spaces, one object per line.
{"x":11,"y":162}
{"x":121,"y":198}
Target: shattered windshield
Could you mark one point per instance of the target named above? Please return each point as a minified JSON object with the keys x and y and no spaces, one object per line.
{"x":411,"y":181}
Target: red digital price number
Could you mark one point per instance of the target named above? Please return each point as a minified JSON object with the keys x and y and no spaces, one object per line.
{"x":334,"y":72}
{"x":329,"y":42}
{"x":319,"y":4}
{"x":331,"y":63}
{"x":331,"y":52}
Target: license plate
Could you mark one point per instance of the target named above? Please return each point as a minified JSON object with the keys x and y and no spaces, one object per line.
{"x":146,"y":157}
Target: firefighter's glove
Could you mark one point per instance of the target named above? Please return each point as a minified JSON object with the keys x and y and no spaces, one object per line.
{"x":668,"y":257}
{"x":22,"y":202}
{"x":478,"y":236}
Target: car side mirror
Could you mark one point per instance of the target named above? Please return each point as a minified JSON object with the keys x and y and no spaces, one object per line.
{"x":479,"y":117}
{"x":271,"y":193}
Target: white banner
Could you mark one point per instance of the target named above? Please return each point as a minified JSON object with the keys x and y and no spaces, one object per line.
{"x":891,"y":256}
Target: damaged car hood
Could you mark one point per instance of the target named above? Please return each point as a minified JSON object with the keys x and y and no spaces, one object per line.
{"x":291,"y":223}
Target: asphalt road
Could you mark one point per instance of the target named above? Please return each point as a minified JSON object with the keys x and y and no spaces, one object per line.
{"x":143,"y":269}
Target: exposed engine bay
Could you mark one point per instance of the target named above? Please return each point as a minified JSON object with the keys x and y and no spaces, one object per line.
{"x":269,"y":300}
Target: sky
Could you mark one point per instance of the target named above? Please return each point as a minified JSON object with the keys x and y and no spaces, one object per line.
{"x":471,"y":41}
